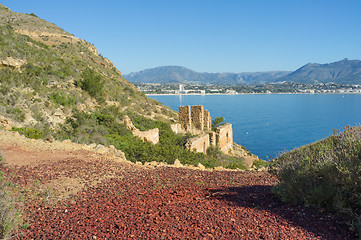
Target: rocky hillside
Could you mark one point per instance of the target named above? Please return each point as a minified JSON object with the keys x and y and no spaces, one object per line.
{"x":46,"y":74}
{"x":176,"y":74}
{"x":55,"y":86}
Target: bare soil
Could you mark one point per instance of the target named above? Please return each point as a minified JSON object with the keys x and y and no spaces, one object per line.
{"x":71,"y":193}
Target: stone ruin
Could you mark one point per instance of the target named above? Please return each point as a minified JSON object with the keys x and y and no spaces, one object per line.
{"x":196,"y":120}
{"x":151,"y":135}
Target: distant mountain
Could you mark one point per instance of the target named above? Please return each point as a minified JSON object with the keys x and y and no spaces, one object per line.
{"x":341,"y":72}
{"x":176,"y":74}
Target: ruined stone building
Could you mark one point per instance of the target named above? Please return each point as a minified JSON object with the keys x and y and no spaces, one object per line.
{"x":196,"y":120}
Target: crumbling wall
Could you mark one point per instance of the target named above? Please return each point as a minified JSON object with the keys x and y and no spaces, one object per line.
{"x":212,"y":138}
{"x":225,"y":138}
{"x":197,"y":117}
{"x":200,"y":143}
{"x":146,"y":136}
{"x":184,"y":113}
{"x":177,"y":128}
{"x":206,"y":120}
{"x":151,"y":136}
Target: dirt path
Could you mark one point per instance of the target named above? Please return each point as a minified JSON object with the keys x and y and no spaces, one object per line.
{"x":72,"y":193}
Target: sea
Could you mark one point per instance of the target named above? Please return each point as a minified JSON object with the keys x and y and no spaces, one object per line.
{"x":269,"y":124}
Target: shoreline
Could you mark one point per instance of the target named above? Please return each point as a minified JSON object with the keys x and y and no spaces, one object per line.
{"x":199,"y":94}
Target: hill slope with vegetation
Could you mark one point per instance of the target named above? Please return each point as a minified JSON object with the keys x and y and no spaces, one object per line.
{"x":324,"y":174}
{"x":56,"y":86}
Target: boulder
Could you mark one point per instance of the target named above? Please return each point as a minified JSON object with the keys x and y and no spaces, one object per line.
{"x":177,"y":163}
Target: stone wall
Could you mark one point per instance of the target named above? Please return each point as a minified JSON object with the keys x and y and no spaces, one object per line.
{"x":146,"y":136}
{"x":225,"y":138}
{"x":200,"y":143}
{"x":212,"y":139}
{"x":197,"y":117}
{"x":185,"y":120}
{"x":206,"y":120}
{"x":177,"y":128}
{"x":151,"y":136}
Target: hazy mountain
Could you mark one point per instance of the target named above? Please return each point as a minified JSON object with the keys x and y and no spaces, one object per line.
{"x":342,"y":72}
{"x":177,"y":74}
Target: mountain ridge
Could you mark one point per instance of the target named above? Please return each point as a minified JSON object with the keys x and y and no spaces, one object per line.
{"x":342,"y":72}
{"x":179,"y":74}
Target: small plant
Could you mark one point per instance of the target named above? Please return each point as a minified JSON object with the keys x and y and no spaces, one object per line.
{"x":219,"y":121}
{"x":9,"y":216}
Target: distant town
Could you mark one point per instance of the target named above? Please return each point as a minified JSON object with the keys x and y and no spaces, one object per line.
{"x":158,"y":88}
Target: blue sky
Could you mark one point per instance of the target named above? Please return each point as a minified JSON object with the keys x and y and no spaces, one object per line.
{"x":209,"y":35}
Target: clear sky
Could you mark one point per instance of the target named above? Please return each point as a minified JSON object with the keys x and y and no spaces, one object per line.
{"x":209,"y":35}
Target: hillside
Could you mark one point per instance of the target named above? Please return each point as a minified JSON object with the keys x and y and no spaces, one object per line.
{"x":341,"y":72}
{"x":47,"y":73}
{"x":176,"y":74}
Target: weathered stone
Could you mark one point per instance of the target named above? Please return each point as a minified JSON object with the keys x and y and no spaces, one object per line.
{"x":177,"y":163}
{"x":92,"y":146}
{"x":200,"y":143}
{"x":225,"y":138}
{"x":185,"y":117}
{"x":119,"y":154}
{"x":197,"y":117}
{"x":151,"y":136}
{"x":101,"y":149}
{"x":5,"y":123}
{"x":212,"y":138}
{"x":12,"y":62}
{"x":177,"y":128}
{"x":67,"y":141}
{"x":206,"y":120}
{"x":129,"y":124}
{"x":200,"y":166}
{"x":219,"y":168}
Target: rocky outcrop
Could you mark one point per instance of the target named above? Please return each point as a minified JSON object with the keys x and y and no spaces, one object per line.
{"x":12,"y":62}
{"x":4,"y":122}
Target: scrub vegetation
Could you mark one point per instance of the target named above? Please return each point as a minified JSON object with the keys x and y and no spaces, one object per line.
{"x":324,"y":174}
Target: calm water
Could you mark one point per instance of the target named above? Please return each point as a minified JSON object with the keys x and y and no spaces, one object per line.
{"x":268,"y":124}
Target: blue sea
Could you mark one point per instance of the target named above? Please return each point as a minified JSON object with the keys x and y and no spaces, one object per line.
{"x":271,"y":123}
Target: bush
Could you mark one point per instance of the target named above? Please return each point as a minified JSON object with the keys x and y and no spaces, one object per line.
{"x":92,"y":83}
{"x":62,"y":99}
{"x":29,"y":132}
{"x":324,"y":174}
{"x":9,"y":216}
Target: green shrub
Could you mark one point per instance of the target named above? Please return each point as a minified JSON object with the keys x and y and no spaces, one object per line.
{"x":92,"y":83}
{"x":29,"y":132}
{"x":62,"y":99}
{"x":324,"y":174}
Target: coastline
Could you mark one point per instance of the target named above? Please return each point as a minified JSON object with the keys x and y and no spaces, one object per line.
{"x":199,"y":94}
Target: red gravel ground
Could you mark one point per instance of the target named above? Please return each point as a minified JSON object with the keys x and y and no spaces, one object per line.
{"x":114,"y":200}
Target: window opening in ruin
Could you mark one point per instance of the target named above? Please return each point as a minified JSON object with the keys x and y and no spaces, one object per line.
{"x":204,"y":147}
